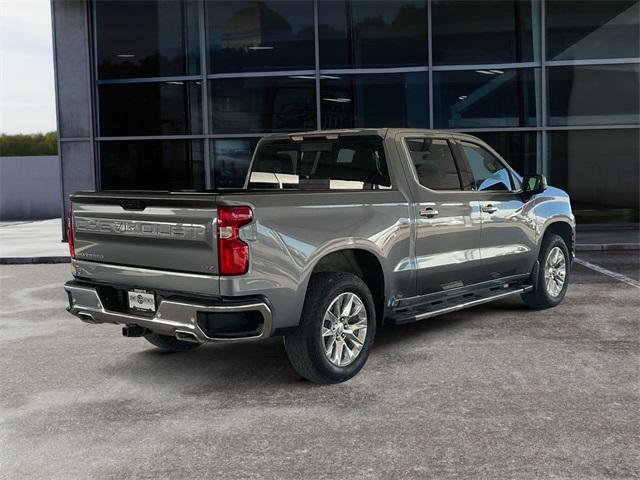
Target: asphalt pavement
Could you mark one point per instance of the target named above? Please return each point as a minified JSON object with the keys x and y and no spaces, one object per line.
{"x":495,"y":392}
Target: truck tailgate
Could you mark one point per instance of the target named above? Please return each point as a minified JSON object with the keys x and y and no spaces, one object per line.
{"x":160,"y":231}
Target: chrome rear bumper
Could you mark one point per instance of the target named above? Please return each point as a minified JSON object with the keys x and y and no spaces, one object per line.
{"x":175,"y":317}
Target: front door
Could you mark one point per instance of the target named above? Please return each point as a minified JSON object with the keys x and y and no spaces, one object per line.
{"x":508,"y":236}
{"x":447,"y":217}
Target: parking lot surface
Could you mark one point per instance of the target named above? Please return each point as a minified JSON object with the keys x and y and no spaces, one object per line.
{"x":498,"y":391}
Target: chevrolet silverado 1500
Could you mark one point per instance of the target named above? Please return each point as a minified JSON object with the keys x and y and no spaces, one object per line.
{"x":334,"y":234}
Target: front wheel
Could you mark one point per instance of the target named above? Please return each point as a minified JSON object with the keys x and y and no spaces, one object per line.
{"x":553,"y":275}
{"x":336,"y":329}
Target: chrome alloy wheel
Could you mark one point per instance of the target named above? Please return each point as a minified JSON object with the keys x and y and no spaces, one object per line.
{"x":344,"y":329}
{"x":555,"y":271}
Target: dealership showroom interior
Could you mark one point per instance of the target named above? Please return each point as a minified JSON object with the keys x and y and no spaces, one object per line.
{"x":263,"y":195}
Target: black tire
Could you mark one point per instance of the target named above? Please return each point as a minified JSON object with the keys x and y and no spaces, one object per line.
{"x":540,"y":298}
{"x":305,"y":347}
{"x":166,"y":342}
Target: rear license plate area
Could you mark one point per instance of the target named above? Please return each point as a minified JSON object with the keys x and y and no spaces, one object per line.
{"x":142,"y":300}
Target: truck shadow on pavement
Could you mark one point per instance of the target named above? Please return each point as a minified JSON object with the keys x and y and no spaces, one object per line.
{"x":263,"y":365}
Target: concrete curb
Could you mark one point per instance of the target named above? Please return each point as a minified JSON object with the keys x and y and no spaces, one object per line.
{"x":31,"y":260}
{"x":606,"y":247}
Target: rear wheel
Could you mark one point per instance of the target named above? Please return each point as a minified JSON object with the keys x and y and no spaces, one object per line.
{"x":553,"y":274}
{"x":334,"y":338}
{"x":166,"y":342}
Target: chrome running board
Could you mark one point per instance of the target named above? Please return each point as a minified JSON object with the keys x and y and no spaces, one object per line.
{"x":413,"y":316}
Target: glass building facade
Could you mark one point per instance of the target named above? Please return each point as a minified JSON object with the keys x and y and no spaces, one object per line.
{"x":183,"y":90}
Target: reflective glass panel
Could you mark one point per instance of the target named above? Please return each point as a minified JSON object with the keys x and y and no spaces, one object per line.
{"x":166,"y":108}
{"x":433,"y":163}
{"x":488,"y":172}
{"x":592,"y":29}
{"x":356,"y":163}
{"x":521,"y":150}
{"x":146,"y":38}
{"x":263,"y":104}
{"x":365,"y":34}
{"x":600,"y":170}
{"x":594,"y":95}
{"x":476,"y":32}
{"x":375,"y":100}
{"x":231,"y":158}
{"x":246,"y":36}
{"x":152,"y":165}
{"x":486,"y":98}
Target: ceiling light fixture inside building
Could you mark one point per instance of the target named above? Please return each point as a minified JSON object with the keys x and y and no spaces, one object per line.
{"x":260,"y":47}
{"x":125,"y":55}
{"x":337,"y":100}
{"x":313,"y":77}
{"x":490,"y":72}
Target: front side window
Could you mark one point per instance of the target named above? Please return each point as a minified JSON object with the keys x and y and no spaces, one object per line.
{"x":344,"y":164}
{"x":434,"y":163}
{"x":489,"y":173}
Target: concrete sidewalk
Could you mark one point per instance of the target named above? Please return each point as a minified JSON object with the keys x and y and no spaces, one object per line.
{"x":597,"y":238}
{"x":40,"y":241}
{"x":32,"y":242}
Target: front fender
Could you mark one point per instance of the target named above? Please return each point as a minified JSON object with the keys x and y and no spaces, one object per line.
{"x":550,"y":207}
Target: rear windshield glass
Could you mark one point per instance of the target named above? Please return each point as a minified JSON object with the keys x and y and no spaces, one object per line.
{"x":356,"y":163}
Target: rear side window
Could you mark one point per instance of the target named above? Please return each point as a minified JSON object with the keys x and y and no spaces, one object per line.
{"x":434,"y":163}
{"x":489,"y":173}
{"x":356,"y":163}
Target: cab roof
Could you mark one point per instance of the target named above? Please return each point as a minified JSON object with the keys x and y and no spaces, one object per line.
{"x":381,"y":132}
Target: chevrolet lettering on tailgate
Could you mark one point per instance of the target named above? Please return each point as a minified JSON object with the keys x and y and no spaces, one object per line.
{"x":182,"y":231}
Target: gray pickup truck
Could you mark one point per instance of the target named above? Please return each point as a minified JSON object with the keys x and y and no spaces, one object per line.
{"x":334,"y":234}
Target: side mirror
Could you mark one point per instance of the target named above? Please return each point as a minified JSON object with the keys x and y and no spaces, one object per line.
{"x":534,"y":183}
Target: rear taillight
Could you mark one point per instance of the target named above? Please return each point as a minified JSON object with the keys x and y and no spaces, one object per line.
{"x":72,"y":251}
{"x":233,"y":253}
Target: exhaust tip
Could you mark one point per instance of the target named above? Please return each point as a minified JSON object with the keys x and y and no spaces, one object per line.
{"x":187,"y":337}
{"x":86,"y":317}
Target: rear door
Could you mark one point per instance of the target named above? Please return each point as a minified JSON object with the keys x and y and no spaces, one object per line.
{"x":446,"y":214}
{"x":508,"y":236}
{"x":173,"y":232}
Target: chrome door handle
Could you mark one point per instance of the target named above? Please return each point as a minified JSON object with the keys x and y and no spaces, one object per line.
{"x":489,"y":209}
{"x":429,"y":213}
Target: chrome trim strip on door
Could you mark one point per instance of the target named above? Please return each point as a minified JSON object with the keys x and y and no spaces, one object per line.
{"x":460,"y":256}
